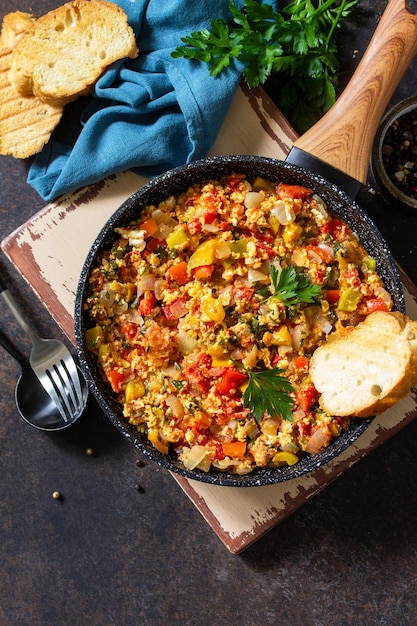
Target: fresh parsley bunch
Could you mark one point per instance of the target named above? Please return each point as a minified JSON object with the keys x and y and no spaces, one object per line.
{"x":296,"y":44}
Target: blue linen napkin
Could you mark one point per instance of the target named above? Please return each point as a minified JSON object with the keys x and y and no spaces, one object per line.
{"x":148,"y":114}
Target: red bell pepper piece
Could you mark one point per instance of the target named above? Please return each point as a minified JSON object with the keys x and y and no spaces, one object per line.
{"x":230,"y":381}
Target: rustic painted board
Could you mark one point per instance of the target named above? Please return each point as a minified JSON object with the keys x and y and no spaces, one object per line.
{"x":49,"y":251}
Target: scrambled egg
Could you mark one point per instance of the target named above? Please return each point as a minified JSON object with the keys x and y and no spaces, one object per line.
{"x":188,"y":318}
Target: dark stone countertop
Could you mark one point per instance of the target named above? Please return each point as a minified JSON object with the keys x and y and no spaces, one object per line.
{"x":108,"y":553}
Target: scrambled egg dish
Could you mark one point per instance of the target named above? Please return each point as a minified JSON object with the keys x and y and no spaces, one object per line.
{"x":205,"y":313}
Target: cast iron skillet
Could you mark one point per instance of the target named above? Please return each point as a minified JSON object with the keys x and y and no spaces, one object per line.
{"x":342,"y":139}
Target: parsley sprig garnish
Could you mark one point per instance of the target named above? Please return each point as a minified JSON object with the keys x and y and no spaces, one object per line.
{"x":291,"y":286}
{"x":296,"y":44}
{"x":267,"y":392}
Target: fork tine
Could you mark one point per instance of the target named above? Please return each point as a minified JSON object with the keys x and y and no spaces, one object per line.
{"x":73,"y":375}
{"x":51,"y":387}
{"x":65,"y":389}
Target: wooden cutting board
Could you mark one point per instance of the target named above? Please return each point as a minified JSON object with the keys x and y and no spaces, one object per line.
{"x":49,"y":251}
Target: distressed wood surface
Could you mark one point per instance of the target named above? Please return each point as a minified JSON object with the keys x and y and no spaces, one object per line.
{"x":49,"y":251}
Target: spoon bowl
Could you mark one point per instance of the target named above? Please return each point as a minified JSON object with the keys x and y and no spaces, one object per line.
{"x":36,"y":406}
{"x":33,"y":402}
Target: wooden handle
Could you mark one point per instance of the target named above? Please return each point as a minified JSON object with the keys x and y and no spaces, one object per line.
{"x":343,"y":137}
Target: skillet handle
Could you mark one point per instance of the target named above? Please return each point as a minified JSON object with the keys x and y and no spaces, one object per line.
{"x":344,"y":136}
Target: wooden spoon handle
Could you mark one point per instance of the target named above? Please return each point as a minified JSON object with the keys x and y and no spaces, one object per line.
{"x":343,"y":137}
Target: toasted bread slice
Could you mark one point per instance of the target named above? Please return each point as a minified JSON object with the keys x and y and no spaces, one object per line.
{"x":13,"y":26}
{"x":67,"y":50}
{"x":369,"y":369}
{"x":26,"y":123}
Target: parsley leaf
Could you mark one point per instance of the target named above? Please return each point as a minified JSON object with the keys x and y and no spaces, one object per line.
{"x":292,"y":286}
{"x":296,"y":45}
{"x":267,"y":392}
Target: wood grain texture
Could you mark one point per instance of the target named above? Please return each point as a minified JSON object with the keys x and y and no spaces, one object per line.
{"x":344,"y":136}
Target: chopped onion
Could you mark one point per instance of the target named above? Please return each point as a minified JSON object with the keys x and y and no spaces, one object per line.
{"x":299,"y":257}
{"x":163,"y":218}
{"x":159,"y":287}
{"x":185,"y":342}
{"x":255,"y":276}
{"x":133,"y":315}
{"x":146,"y":282}
{"x":252,"y":358}
{"x":284,"y":212}
{"x":178,"y":309}
{"x":119,"y":309}
{"x":196,"y":457}
{"x":253,"y":199}
{"x":172,"y":371}
{"x":210,"y":228}
{"x":318,"y":441}
{"x":327,"y":249}
{"x":314,"y":256}
{"x":222,"y":250}
{"x":175,"y":405}
{"x":106,"y":296}
{"x":163,"y":231}
{"x":321,"y":206}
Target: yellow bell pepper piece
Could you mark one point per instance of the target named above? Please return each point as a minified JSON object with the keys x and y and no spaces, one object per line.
{"x":281,"y":337}
{"x":221,"y":362}
{"x":93,"y":337}
{"x":153,"y":436}
{"x":285,"y":458}
{"x":213,"y":309}
{"x":204,"y":255}
{"x":291,"y":232}
{"x":178,"y":237}
{"x":134,"y":389}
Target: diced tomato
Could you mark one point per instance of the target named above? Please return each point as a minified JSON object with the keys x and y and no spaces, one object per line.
{"x":175,"y":310}
{"x":350,"y":277}
{"x":336,"y":228}
{"x":263,"y":246}
{"x":201,"y":422}
{"x":129,"y":329}
{"x":301,"y":363}
{"x":233,"y":181}
{"x":115,"y":378}
{"x":230,"y":381}
{"x":203,"y":271}
{"x":235,"y":449}
{"x":153,"y":244}
{"x":306,"y":396}
{"x":321,"y":253}
{"x":332,"y":295}
{"x":293,"y":191}
{"x":149,"y":226}
{"x":241,"y":293}
{"x":210,"y":216}
{"x":178,"y":273}
{"x":377,"y":304}
{"x":147,"y":303}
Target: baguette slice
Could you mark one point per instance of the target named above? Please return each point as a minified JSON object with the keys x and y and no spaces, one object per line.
{"x":369,"y":369}
{"x":26,"y":123}
{"x":13,"y":26}
{"x":67,"y":50}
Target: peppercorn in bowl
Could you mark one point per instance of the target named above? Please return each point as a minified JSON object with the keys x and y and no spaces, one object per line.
{"x":201,"y":303}
{"x":394,"y":155}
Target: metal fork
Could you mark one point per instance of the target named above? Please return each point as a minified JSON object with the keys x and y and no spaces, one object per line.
{"x":53,"y":364}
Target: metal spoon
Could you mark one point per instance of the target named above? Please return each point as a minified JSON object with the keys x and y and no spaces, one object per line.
{"x":33,"y":402}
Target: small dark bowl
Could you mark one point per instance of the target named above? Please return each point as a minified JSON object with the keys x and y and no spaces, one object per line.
{"x":174,"y":182}
{"x":389,"y":189}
